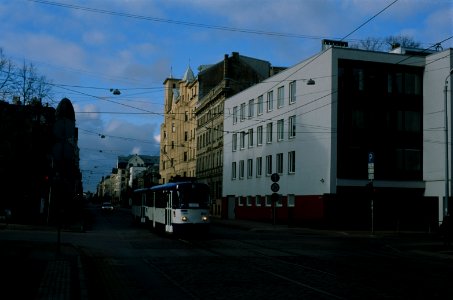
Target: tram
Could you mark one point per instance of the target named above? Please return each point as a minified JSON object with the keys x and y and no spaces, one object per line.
{"x":175,"y":207}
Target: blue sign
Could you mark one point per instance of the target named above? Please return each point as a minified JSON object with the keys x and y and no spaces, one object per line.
{"x":371,"y":158}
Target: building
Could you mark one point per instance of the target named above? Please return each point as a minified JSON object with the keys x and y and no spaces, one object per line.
{"x":329,"y":126}
{"x":216,"y":83}
{"x":39,"y":161}
{"x":178,"y":151}
{"x":131,"y":172}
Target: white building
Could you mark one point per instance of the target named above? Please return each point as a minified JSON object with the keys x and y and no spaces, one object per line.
{"x":315,"y":125}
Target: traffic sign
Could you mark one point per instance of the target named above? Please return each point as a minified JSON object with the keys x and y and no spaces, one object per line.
{"x":275,"y":187}
{"x":275,"y":177}
{"x":274,"y":197}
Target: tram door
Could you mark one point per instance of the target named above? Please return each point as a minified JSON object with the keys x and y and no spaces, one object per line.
{"x":168,"y":223}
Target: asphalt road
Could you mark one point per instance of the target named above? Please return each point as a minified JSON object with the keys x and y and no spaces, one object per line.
{"x":121,"y":260}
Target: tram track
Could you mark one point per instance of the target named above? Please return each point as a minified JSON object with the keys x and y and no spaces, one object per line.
{"x":271,"y":266}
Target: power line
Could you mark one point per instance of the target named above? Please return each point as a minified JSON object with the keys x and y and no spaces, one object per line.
{"x":178,"y":22}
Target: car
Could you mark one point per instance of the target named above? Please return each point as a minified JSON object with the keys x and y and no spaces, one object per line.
{"x":107,"y":206}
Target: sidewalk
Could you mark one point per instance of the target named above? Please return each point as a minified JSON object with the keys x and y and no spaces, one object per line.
{"x":419,"y":242}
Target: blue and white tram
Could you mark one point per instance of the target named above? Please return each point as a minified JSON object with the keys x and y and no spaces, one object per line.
{"x":174,"y":207}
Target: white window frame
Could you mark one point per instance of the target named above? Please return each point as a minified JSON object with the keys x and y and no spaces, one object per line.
{"x":250,"y":137}
{"x":242,"y":112}
{"x":235,"y":115}
{"x":259,"y":135}
{"x":270,"y":101}
{"x":259,"y":166}
{"x":279,"y":163}
{"x":280,"y":97}
{"x":234,"y":142}
{"x":292,"y":92}
{"x":250,"y":168}
{"x":269,"y":133}
{"x":251,"y":108}
{"x":260,"y":105}
{"x":249,"y":201}
{"x":280,"y":127}
{"x":269,"y":165}
{"x":291,"y":200}
{"x":268,"y":200}
{"x":242,"y":140}
{"x":233,"y":171}
{"x":257,"y":200}
{"x":241,"y":169}
{"x":291,"y":162}
{"x":292,"y":127}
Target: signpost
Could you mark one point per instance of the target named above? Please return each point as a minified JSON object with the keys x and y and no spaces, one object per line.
{"x":370,"y":184}
{"x":275,"y":187}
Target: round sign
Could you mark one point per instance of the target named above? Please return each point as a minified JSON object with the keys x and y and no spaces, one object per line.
{"x":275,"y":187}
{"x":275,"y":177}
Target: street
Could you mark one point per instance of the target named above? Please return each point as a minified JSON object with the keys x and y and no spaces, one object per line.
{"x":122,"y":260}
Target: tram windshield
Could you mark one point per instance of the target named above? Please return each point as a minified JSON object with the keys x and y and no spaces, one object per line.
{"x":192,"y":196}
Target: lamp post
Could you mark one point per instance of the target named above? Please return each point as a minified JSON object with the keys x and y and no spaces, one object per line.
{"x":447,"y":193}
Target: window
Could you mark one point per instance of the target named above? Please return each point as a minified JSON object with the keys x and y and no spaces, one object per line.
{"x":268,"y":200}
{"x":235,"y":141}
{"x":292,"y":92}
{"x":186,"y":116}
{"x":280,"y":96}
{"x":291,"y":200}
{"x":259,"y":135}
{"x":250,"y":135}
{"x":292,"y":127}
{"x":280,"y":130}
{"x":291,"y":162}
{"x":242,"y":112}
{"x":251,"y":108}
{"x":409,"y":121}
{"x":186,"y":136}
{"x":241,"y":169}
{"x":259,"y":166}
{"x":185,"y":155}
{"x":235,"y":115}
{"x":249,"y":201}
{"x":242,"y":140}
{"x":279,"y":163}
{"x":260,"y":105}
{"x":233,"y":170}
{"x":240,"y":201}
{"x":257,"y":200}
{"x":269,"y":165}
{"x":269,"y":133}
{"x":270,"y":100}
{"x":249,"y":168}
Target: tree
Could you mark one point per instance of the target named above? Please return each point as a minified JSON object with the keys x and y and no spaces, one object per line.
{"x":387,"y":43}
{"x":24,"y":82}
{"x":6,"y":76}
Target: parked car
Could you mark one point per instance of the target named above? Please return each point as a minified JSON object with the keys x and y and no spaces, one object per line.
{"x":107,"y":206}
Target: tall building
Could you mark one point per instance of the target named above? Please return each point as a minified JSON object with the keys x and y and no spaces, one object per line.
{"x":328,"y":127}
{"x":216,"y":83}
{"x":177,"y":153}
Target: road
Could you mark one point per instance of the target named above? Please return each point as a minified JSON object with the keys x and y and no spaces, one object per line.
{"x":122,"y":260}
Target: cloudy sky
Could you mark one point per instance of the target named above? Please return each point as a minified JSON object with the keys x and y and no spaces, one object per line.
{"x":85,"y":48}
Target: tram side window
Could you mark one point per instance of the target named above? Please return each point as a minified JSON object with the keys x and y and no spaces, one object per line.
{"x":161,"y":200}
{"x":149,"y":199}
{"x":175,"y":199}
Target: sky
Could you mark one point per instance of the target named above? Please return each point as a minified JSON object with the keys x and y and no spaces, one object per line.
{"x":87,"y":48}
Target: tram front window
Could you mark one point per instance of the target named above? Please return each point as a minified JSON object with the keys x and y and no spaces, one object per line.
{"x":193,"y":198}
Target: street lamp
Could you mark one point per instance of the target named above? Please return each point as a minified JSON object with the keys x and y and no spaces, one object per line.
{"x":447,"y":193}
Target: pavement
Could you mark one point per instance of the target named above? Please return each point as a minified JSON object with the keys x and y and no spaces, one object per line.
{"x":57,"y":272}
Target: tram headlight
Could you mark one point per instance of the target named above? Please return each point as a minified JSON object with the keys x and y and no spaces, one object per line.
{"x":204,"y":218}
{"x":184,"y":219}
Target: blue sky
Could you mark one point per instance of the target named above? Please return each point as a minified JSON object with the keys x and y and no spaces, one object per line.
{"x":85,"y":48}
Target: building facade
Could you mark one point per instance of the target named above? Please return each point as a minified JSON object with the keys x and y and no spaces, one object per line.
{"x":178,"y":151}
{"x":316,"y":125}
{"x":216,"y":83}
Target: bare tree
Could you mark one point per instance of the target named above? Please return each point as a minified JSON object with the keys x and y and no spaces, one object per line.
{"x":401,"y":41}
{"x":6,"y":75}
{"x":29,"y":85}
{"x":386,"y":44}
